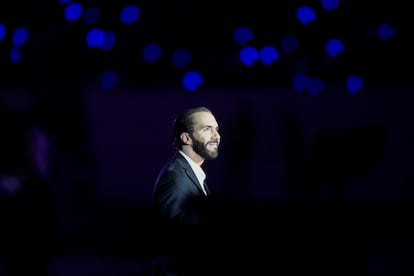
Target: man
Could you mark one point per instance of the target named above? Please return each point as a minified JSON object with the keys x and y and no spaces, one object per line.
{"x":180,"y":191}
{"x":182,"y":180}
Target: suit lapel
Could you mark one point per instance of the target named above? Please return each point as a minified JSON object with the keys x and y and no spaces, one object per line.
{"x":189,"y":171}
{"x":206,"y":188}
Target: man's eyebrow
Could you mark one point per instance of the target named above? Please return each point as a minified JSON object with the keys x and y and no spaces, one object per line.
{"x":210,"y":126}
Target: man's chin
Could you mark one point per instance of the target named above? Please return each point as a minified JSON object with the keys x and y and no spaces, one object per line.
{"x":212,"y":155}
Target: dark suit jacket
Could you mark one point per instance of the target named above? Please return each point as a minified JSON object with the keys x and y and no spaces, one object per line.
{"x":180,"y":206}
{"x":178,"y":197}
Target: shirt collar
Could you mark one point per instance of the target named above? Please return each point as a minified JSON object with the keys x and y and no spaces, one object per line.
{"x":201,"y":175}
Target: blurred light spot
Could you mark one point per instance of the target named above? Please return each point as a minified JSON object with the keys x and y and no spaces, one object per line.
{"x":109,"y":79}
{"x":385,"y":31}
{"x":108,"y":40}
{"x":354,"y":83}
{"x":2,"y":31}
{"x":300,"y":82}
{"x":20,"y":36}
{"x":192,"y":80}
{"x":288,"y":44}
{"x":315,"y":86}
{"x":305,"y":14}
{"x":330,"y":5}
{"x":15,"y":55}
{"x":334,"y":47}
{"x":152,"y":52}
{"x":243,"y":34}
{"x":91,"y":16}
{"x":269,"y":54}
{"x":73,"y":11}
{"x":249,"y":55}
{"x":95,"y":37}
{"x":181,"y":58}
{"x":129,"y":14}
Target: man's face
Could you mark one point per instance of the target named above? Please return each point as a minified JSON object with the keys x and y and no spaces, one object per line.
{"x":205,"y":136}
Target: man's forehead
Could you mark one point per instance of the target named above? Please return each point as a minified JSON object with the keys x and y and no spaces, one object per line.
{"x":204,"y":118}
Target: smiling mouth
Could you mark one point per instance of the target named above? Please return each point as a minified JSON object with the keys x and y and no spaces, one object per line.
{"x":213,"y":144}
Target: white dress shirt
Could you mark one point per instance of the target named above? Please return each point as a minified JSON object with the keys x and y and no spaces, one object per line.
{"x":198,"y":171}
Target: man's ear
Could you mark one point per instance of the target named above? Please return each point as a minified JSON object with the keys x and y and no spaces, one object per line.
{"x":185,"y":138}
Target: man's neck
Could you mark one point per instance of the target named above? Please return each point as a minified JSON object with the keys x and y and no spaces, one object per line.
{"x":194,"y":156}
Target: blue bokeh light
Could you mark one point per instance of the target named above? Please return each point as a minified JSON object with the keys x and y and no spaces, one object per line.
{"x":73,"y":11}
{"x":315,"y":86}
{"x":305,"y":14}
{"x":300,"y":81}
{"x":2,"y":31}
{"x":385,"y":31}
{"x":249,"y":55}
{"x":91,"y":16}
{"x":181,"y":58}
{"x":15,"y":55}
{"x":95,"y":37}
{"x":288,"y":43}
{"x":269,"y":54}
{"x":243,"y":34}
{"x":334,"y":47}
{"x":191,"y":80}
{"x":330,"y":5}
{"x":108,"y":41}
{"x":129,"y":14}
{"x":152,"y":52}
{"x":20,"y":36}
{"x":354,"y":83}
{"x":109,"y":79}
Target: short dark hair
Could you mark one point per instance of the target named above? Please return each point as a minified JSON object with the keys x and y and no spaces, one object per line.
{"x":184,"y":123}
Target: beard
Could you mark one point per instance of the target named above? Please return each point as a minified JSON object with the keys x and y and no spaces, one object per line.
{"x":202,"y":150}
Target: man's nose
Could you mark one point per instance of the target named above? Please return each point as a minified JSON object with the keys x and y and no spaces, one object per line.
{"x":216,"y":134}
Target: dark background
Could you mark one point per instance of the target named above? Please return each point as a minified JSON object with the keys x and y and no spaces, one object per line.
{"x":335,"y":162}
